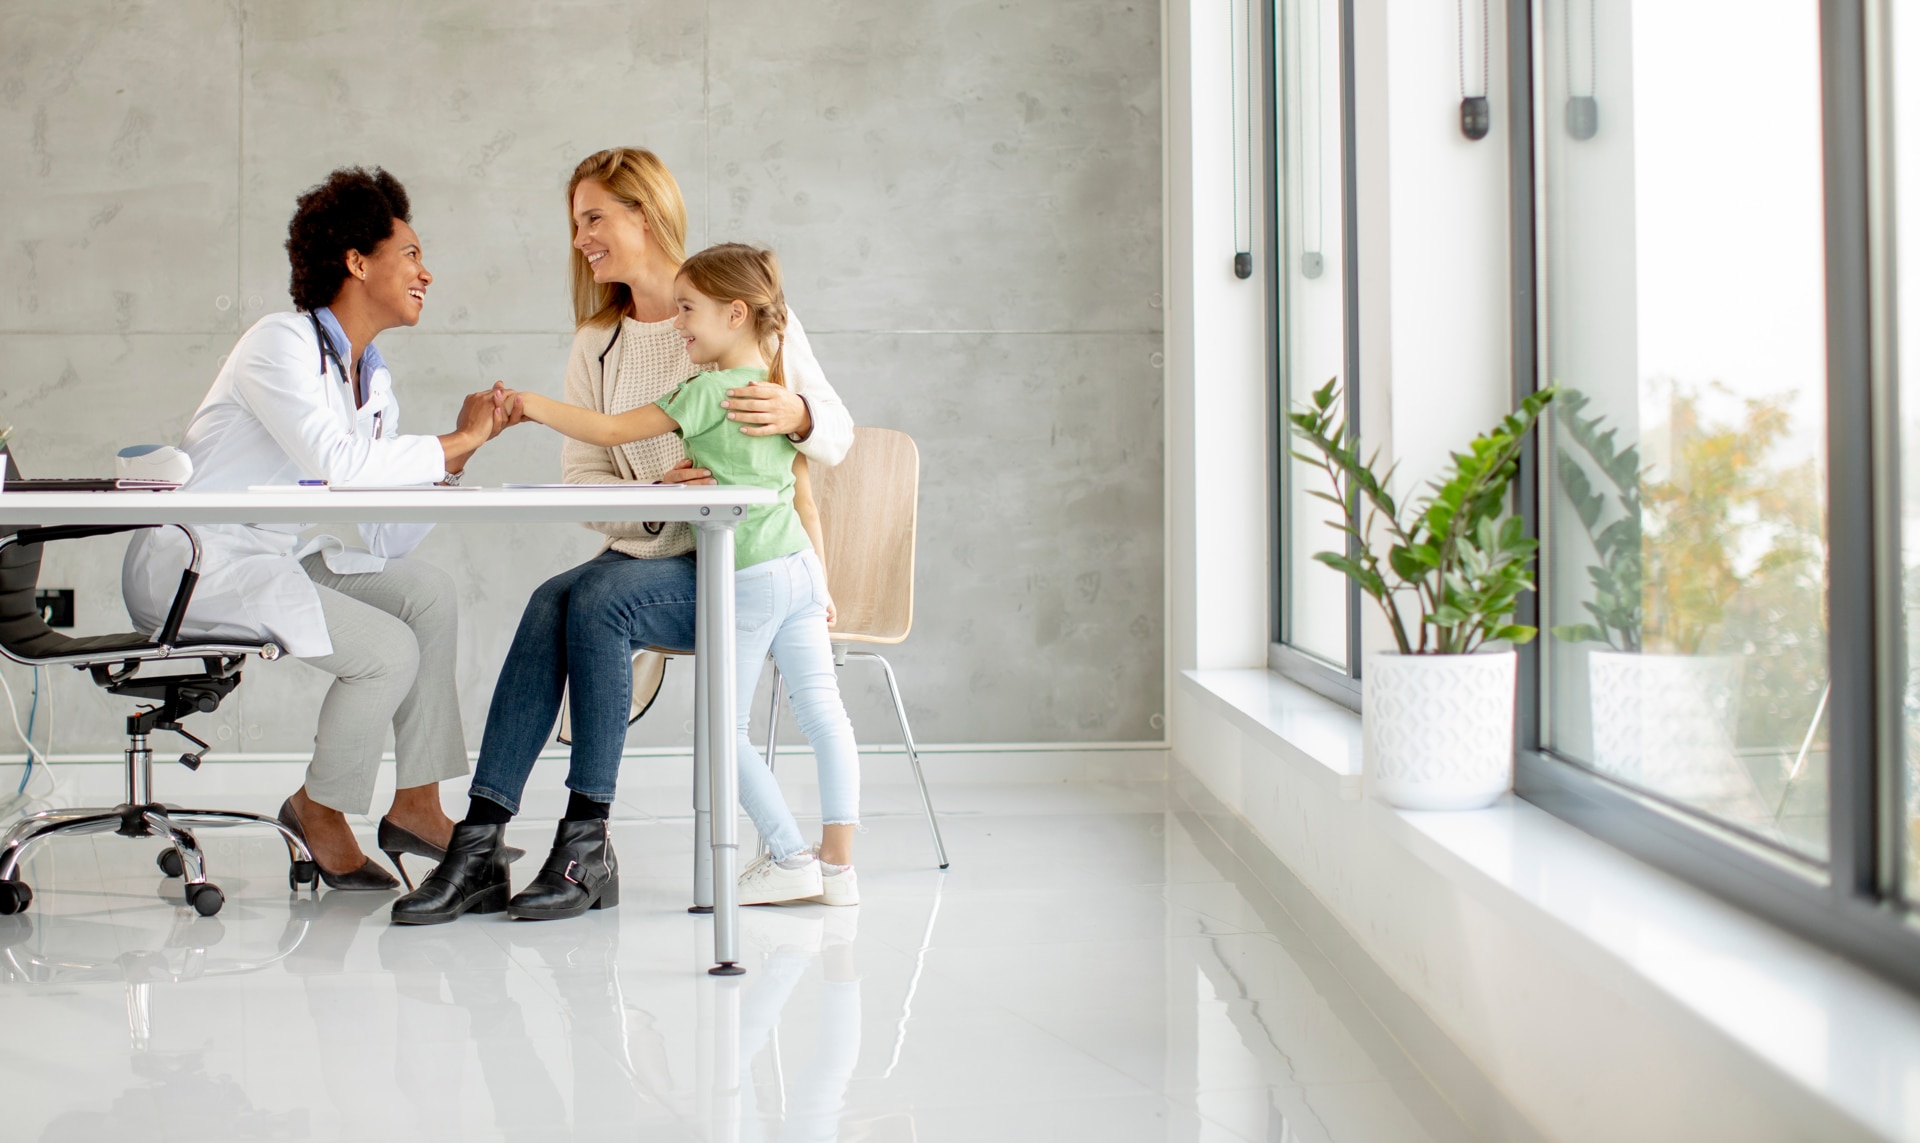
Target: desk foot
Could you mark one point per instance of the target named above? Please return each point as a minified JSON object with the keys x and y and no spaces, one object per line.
{"x":726,"y":968}
{"x":699,"y":908}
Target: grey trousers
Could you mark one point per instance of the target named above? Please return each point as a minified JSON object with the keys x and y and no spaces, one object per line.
{"x":395,"y":635}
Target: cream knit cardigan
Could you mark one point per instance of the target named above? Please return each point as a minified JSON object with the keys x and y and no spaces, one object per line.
{"x":595,"y":380}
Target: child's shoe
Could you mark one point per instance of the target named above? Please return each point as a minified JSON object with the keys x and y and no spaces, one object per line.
{"x":838,"y":885}
{"x":766,"y":881}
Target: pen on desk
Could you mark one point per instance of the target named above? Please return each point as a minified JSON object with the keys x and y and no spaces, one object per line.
{"x":313,"y":484}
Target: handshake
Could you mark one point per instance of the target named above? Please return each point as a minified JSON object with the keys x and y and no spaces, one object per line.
{"x":484,"y":415}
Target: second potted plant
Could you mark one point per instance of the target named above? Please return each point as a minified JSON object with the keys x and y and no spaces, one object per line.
{"x":1438,"y":708}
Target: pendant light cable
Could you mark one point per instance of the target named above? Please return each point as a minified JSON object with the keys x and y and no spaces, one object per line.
{"x":1486,"y":44}
{"x":1593,"y":47}
{"x":1238,"y":75}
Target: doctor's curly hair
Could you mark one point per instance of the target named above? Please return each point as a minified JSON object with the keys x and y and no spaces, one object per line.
{"x":353,"y":210}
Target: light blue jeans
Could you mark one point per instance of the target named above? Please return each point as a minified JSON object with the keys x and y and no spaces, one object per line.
{"x":781,"y":606}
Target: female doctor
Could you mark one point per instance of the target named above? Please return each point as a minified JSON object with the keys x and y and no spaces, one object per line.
{"x":305,"y":396}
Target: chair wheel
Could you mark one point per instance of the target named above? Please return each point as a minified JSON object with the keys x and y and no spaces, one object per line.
{"x":169,"y":862}
{"x":206,"y":899}
{"x":303,"y":873}
{"x":14,"y":897}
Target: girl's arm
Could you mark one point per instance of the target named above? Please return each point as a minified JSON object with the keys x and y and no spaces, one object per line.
{"x":809,"y":513}
{"x":589,"y":427}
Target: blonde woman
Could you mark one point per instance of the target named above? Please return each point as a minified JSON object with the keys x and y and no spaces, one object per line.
{"x":579,"y":629}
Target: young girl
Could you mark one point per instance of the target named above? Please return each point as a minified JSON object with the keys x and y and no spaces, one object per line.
{"x":732,"y":315}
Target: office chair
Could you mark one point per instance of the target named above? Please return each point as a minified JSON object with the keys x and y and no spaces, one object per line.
{"x":115,"y":663}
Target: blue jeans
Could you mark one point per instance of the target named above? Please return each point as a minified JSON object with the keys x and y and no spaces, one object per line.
{"x":781,"y":606}
{"x":577,"y":636}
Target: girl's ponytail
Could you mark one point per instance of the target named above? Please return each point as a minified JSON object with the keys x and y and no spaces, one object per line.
{"x":731,"y":272}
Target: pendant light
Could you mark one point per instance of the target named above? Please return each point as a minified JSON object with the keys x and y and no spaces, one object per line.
{"x":1476,"y":115}
{"x":1583,"y":111}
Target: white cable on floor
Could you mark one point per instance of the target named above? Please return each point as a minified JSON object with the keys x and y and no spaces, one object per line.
{"x":46,"y":688}
{"x":33,"y":753}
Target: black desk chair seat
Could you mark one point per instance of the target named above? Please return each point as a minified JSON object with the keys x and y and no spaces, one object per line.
{"x":116,"y":663}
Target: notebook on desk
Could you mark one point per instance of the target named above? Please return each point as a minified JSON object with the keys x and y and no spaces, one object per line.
{"x":17,"y":483}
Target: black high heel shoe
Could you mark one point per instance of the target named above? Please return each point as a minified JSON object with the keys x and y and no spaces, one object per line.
{"x":367,"y":876}
{"x":472,"y":879}
{"x":395,"y":840}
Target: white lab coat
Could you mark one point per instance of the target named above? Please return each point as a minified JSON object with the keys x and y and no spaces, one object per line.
{"x":274,"y":417}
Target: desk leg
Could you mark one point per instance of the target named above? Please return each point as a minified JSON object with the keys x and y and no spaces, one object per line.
{"x":715,"y":658}
{"x":702,"y":760}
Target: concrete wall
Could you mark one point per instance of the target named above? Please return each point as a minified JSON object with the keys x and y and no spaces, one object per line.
{"x":966,"y":198}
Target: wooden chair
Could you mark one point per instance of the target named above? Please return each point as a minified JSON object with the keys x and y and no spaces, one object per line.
{"x":869,"y":505}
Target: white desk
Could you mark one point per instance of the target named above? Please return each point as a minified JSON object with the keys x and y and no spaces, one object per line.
{"x":714,"y":511}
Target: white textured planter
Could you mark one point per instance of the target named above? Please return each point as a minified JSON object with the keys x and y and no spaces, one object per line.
{"x":1438,"y":729}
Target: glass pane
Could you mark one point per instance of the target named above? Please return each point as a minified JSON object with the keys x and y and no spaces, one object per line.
{"x":1686,"y":530}
{"x":1313,"y":314}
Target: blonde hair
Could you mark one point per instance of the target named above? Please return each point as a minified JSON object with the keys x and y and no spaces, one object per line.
{"x":640,"y":180}
{"x":732,"y":272}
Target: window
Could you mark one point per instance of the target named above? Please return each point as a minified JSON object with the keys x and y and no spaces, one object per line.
{"x":1684,"y":535}
{"x":1316,"y":606}
{"x":1724,"y":485}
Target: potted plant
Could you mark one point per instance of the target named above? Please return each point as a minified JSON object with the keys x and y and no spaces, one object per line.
{"x":1438,"y":708}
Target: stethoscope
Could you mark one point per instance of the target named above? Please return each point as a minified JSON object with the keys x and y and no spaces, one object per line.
{"x":329,"y":353}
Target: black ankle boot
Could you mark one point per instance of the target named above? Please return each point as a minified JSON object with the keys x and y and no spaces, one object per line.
{"x":472,"y":878}
{"x":580,"y":874}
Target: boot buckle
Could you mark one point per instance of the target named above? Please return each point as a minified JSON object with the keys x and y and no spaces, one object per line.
{"x":568,"y":873}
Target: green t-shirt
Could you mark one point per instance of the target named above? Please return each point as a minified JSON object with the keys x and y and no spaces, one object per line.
{"x":717,"y":444}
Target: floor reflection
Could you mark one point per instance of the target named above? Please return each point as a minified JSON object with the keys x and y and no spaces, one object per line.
{"x":1093,"y":965}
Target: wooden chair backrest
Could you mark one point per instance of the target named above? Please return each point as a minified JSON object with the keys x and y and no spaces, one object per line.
{"x":869,"y":507}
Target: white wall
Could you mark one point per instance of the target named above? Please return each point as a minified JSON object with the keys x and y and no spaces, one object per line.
{"x":1215,"y":362}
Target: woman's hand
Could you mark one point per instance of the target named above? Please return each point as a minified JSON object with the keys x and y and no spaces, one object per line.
{"x":502,"y":407}
{"x":765,"y":410}
{"x":683,"y":472}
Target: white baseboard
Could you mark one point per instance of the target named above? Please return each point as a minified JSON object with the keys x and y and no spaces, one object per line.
{"x":647,"y":774}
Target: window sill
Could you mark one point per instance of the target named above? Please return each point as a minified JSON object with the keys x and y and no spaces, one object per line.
{"x":1844,"y":1036}
{"x":1317,"y":734}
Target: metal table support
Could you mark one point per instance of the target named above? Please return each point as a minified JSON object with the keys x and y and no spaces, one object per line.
{"x":714,"y":659}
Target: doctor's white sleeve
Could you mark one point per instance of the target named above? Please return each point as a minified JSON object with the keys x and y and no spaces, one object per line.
{"x":392,"y":541}
{"x":278,"y":378}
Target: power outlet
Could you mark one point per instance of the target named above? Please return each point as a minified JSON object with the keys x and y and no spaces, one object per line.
{"x":56,"y":607}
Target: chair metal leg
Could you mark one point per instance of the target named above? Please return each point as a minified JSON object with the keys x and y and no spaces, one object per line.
{"x":296,"y":849}
{"x":773,"y":716}
{"x":913,"y":755}
{"x":773,"y":738}
{"x":92,"y":821}
{"x":702,"y":807}
{"x":37,"y":823}
{"x":193,"y":866}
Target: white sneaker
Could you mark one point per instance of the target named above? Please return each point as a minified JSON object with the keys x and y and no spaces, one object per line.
{"x":841,"y":888}
{"x":766,"y":881}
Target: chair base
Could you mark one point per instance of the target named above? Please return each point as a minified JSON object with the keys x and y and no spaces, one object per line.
{"x":150,"y":819}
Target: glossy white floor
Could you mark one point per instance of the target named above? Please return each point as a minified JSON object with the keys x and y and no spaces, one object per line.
{"x":1094,"y":965}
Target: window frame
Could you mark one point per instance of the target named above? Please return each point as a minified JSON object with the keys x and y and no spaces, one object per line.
{"x":1853,"y":905}
{"x":1310,"y":671}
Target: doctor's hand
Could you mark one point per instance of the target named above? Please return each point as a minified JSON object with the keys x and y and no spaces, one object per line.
{"x":479,"y":417}
{"x":765,"y":410}
{"x":478,"y":424}
{"x":684,"y":473}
